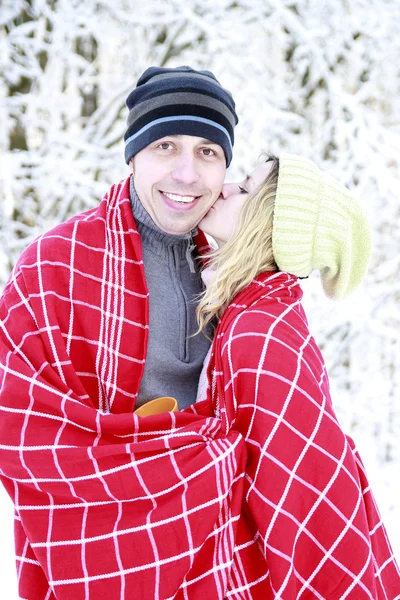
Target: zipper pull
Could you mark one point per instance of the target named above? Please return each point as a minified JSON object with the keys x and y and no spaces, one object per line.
{"x":191,"y":246}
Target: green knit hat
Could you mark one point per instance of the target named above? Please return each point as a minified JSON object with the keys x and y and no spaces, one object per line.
{"x":318,"y":224}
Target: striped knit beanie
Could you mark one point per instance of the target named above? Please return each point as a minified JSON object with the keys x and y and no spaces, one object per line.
{"x":179,"y":101}
{"x":318,"y":224}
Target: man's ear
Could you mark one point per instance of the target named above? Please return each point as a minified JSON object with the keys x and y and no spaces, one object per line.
{"x":131,"y":165}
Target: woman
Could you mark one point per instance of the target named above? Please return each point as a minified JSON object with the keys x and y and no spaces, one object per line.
{"x":315,"y":531}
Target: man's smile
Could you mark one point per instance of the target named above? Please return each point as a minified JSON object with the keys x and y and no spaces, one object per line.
{"x":179,"y":198}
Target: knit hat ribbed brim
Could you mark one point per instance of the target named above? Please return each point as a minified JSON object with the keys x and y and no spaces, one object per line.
{"x":318,"y":224}
{"x":179,"y":101}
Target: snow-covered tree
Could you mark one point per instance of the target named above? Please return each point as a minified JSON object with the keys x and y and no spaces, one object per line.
{"x":317,"y":77}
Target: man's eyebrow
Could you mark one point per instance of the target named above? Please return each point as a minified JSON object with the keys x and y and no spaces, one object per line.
{"x":202,"y":141}
{"x":208,"y":142}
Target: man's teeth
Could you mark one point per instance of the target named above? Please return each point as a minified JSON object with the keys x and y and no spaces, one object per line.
{"x":176,"y":198}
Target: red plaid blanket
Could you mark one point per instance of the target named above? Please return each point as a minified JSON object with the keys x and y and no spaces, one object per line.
{"x":253,"y":493}
{"x":306,"y":497}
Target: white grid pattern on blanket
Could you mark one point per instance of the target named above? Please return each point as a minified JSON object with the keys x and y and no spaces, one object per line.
{"x":109,"y":506}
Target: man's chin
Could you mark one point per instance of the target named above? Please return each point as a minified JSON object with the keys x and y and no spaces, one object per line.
{"x":175,"y":229}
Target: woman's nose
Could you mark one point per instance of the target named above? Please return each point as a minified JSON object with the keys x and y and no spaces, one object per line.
{"x":228,"y":189}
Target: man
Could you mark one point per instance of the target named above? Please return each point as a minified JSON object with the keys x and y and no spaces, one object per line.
{"x":96,"y":319}
{"x":178,"y":142}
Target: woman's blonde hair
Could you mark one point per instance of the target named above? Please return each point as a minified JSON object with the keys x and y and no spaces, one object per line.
{"x":246,"y":254}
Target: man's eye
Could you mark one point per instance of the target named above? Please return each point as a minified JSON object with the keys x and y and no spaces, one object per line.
{"x":165,"y":145}
{"x":207,"y":151}
{"x":242,"y":190}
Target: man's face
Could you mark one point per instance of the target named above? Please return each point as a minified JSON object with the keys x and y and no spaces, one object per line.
{"x":178,"y":178}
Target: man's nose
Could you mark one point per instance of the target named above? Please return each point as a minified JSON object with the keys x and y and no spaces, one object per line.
{"x":185,"y":170}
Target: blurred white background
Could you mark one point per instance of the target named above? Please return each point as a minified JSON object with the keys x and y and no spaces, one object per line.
{"x":317,"y":77}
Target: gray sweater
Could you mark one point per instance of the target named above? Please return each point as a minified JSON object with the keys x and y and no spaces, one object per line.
{"x":174,"y":359}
